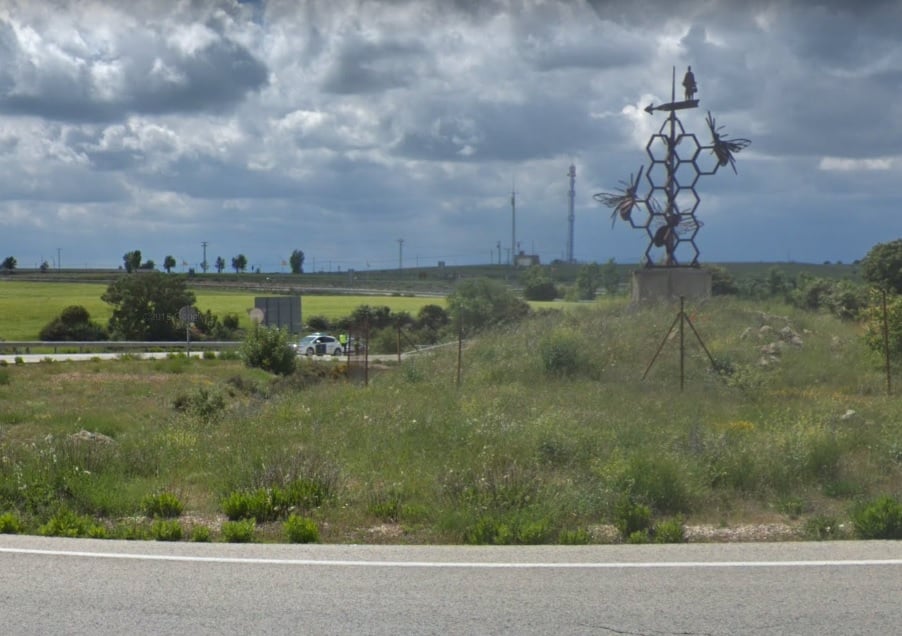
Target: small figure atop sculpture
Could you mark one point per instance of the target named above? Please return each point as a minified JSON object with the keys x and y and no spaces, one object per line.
{"x":689,"y":85}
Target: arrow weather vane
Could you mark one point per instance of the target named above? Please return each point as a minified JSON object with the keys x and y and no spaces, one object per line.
{"x":676,"y":158}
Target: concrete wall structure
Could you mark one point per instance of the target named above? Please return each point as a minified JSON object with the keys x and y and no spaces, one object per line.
{"x":667,"y":284}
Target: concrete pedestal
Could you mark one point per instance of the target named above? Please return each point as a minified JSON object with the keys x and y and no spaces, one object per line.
{"x":667,"y":284}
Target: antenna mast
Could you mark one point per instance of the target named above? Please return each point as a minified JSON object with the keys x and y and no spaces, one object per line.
{"x":513,"y":226}
{"x":571,"y":216}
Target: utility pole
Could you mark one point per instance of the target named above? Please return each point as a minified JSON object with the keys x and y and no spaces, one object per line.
{"x":400,"y":253}
{"x":513,"y":226}
{"x":571,"y":216}
{"x":58,"y":263}
{"x":203,"y":263}
{"x":498,"y":245}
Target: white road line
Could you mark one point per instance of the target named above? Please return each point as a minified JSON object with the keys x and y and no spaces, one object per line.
{"x":464,"y":564}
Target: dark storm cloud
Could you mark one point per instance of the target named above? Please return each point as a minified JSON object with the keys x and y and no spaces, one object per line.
{"x":150,"y":77}
{"x":369,"y":67}
{"x":541,"y":127}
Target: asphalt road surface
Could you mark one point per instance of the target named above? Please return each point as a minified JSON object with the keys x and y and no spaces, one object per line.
{"x":80,"y":586}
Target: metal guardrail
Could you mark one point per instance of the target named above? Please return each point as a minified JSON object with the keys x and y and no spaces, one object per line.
{"x":87,"y":346}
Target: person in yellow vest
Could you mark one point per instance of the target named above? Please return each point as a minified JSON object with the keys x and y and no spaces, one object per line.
{"x":343,"y":340}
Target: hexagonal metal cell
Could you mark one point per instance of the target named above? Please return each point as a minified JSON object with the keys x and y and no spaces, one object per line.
{"x":686,"y":147}
{"x":657,"y":174}
{"x":686,"y":174}
{"x":658,"y":148}
{"x":686,"y":200}
{"x":706,"y":161}
{"x":677,"y":128}
{"x":641,"y":215}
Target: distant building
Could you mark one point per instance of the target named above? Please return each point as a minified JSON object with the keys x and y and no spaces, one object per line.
{"x":526,"y":260}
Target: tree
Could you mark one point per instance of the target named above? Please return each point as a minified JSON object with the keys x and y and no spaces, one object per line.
{"x":722,"y":283}
{"x":132,"y":260}
{"x":610,"y":277}
{"x":169,"y":263}
{"x":297,"y":262}
{"x":537,"y":284}
{"x":882,"y":266}
{"x":220,"y":264}
{"x":482,"y":302}
{"x":45,"y":267}
{"x":9,"y":263}
{"x":146,"y":307}
{"x":588,"y":278}
{"x":239,"y":263}
{"x":74,"y":323}
{"x":148,"y":264}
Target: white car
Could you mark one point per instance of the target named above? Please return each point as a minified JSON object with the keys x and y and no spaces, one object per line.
{"x":319,"y":344}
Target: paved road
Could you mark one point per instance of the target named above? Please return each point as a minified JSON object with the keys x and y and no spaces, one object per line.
{"x":54,"y":586}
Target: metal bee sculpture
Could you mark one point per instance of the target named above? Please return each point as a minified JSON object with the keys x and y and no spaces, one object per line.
{"x":677,"y":161}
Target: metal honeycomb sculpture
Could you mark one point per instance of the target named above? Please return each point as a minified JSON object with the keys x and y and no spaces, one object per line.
{"x":665,"y":204}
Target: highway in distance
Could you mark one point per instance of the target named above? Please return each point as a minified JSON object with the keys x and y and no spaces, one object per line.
{"x":83,"y":586}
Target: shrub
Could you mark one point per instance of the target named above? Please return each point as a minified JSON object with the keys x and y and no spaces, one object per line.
{"x":164,"y":505}
{"x":74,"y":323}
{"x":10,"y":523}
{"x":166,"y":530}
{"x":580,"y":536}
{"x":563,"y":353}
{"x":256,"y":504}
{"x":200,"y":534}
{"x":239,"y":531}
{"x":489,"y":531}
{"x":505,"y":530}
{"x":631,"y":517}
{"x":822,"y":528}
{"x":639,"y":536}
{"x":66,"y":523}
{"x":203,"y":403}
{"x":301,"y":530}
{"x":669,"y":531}
{"x":878,"y":519}
{"x":269,"y":349}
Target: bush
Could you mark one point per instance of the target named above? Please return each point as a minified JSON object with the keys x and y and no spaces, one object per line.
{"x":166,"y":530}
{"x":239,"y":531}
{"x":10,"y":524}
{"x":822,"y":528}
{"x":257,"y":504}
{"x":164,"y":505}
{"x":579,"y":536}
{"x":200,"y":534}
{"x":301,"y":530}
{"x":631,"y":517}
{"x":878,"y":519}
{"x":66,"y":523}
{"x":563,"y":353}
{"x":669,"y":531}
{"x":481,"y":302}
{"x":205,"y":404}
{"x":269,"y":349}
{"x":74,"y":323}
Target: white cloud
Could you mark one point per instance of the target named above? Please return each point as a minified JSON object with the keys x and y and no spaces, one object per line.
{"x":842,"y":164}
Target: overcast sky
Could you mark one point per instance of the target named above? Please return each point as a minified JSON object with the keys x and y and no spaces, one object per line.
{"x":340,"y":127}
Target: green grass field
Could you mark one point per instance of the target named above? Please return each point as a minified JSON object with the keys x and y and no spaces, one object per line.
{"x":25,"y":307}
{"x":551,"y":436}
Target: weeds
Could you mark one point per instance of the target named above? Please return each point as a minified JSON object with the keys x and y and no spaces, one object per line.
{"x":164,"y":505}
{"x":239,"y":531}
{"x":301,"y":530}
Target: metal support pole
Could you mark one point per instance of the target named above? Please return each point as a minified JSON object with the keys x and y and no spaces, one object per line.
{"x":889,"y":388}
